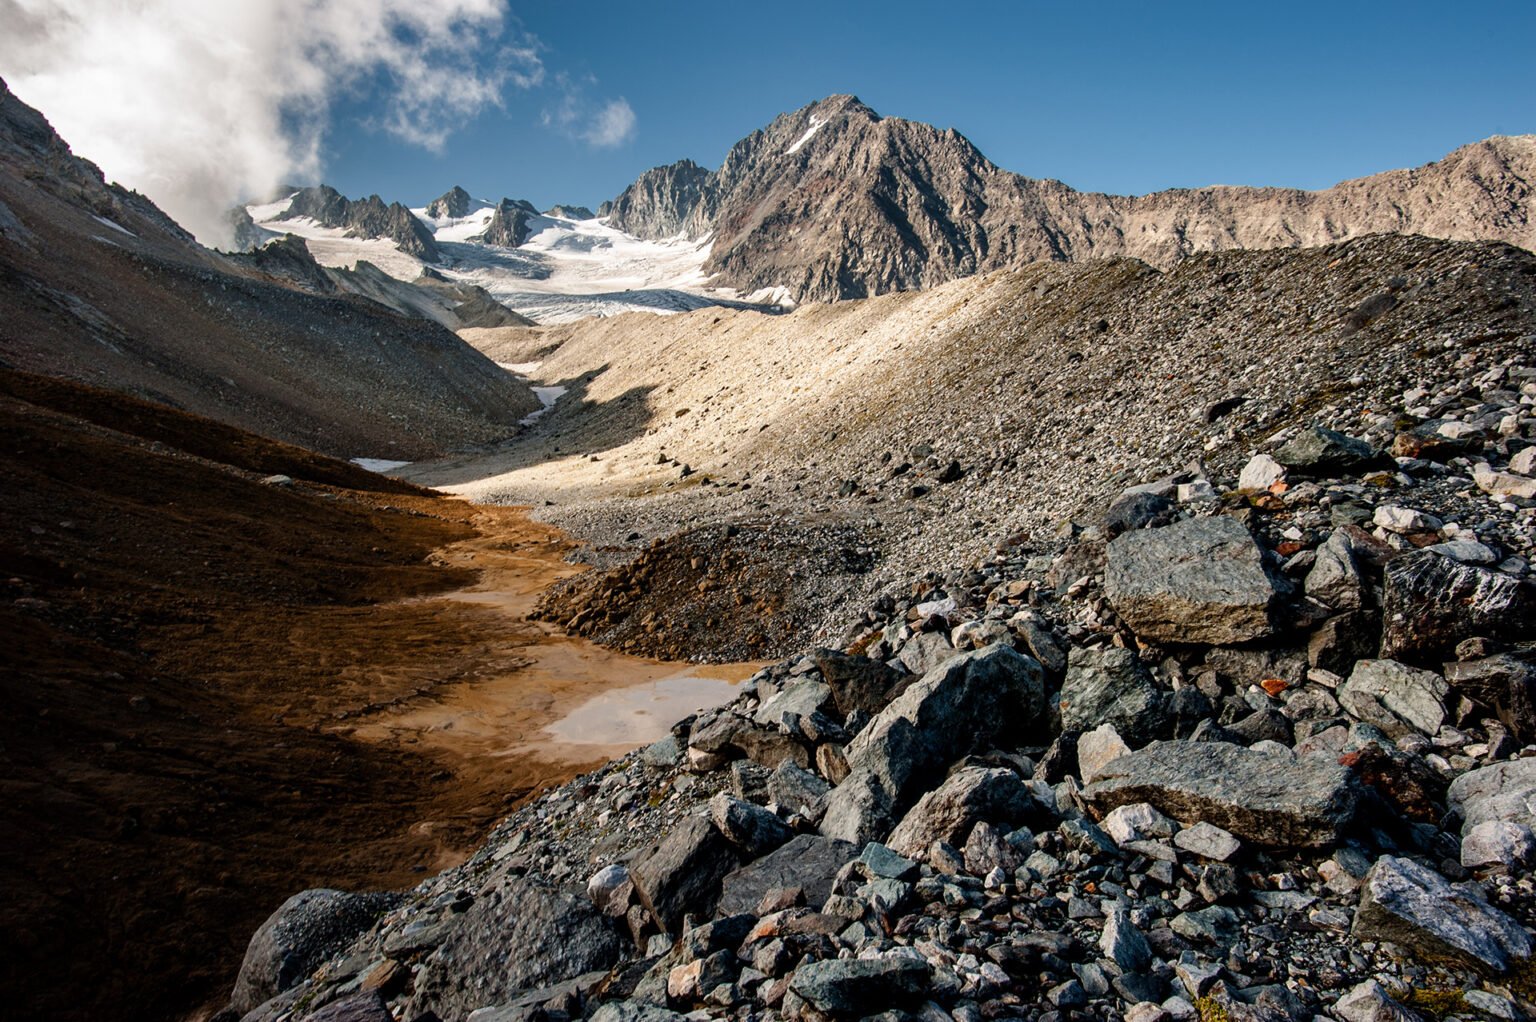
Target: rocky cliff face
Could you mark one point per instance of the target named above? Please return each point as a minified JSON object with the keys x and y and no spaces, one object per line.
{"x":833,"y":201}
{"x":452,"y":203}
{"x":509,"y":225}
{"x":366,"y":218}
{"x":667,"y":201}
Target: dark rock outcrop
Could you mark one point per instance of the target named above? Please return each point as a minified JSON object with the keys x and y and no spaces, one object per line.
{"x":510,"y":223}
{"x":366,"y":218}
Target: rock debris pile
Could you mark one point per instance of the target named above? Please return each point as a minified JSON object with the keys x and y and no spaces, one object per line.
{"x":1251,"y":748}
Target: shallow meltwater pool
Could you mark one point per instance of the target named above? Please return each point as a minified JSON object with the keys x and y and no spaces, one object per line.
{"x":538,"y":705}
{"x":641,"y":714}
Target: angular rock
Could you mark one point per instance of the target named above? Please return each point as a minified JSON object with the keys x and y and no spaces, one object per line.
{"x":501,"y":946}
{"x":610,"y":889}
{"x":1135,"y":511}
{"x":1431,"y":603}
{"x":1270,"y":800}
{"x":633,"y":1011}
{"x":1199,"y":581}
{"x":683,"y":874}
{"x":1395,"y":697}
{"x":950,"y":811}
{"x":1109,"y":686}
{"x":807,"y":861}
{"x":1414,"y":907}
{"x":802,"y":697}
{"x":1505,"y":682}
{"x":361,"y":1007}
{"x":1498,"y":843}
{"x":305,"y":930}
{"x":1318,"y":452}
{"x":962,"y":706}
{"x":796,"y":789}
{"x":858,"y":683}
{"x":849,"y":988}
{"x":1208,"y":841}
{"x":1122,"y":943}
{"x":925,"y":652}
{"x":1260,"y":474}
{"x":879,"y":862}
{"x":1503,"y":792}
{"x":750,"y":828}
{"x":1096,"y":749}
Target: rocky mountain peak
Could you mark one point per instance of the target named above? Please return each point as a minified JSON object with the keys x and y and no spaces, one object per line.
{"x":509,"y":226}
{"x":834,"y":201}
{"x":452,"y":203}
{"x":366,"y":218}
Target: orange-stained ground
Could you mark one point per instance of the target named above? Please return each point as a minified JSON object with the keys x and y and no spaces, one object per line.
{"x":218,"y":691}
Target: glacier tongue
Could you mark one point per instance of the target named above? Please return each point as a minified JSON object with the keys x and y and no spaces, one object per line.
{"x":566,"y":270}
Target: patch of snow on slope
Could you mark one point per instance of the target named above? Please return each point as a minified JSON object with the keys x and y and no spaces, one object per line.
{"x":113,"y":225}
{"x":547,"y":395}
{"x":379,"y":464}
{"x":816,"y":123}
{"x":265,"y":211}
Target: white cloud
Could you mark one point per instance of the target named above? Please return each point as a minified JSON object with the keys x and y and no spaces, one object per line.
{"x":198,"y":103}
{"x":614,"y":125}
{"x":602,"y":125}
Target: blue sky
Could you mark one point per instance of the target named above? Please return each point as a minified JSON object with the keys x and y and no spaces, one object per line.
{"x":1120,"y":97}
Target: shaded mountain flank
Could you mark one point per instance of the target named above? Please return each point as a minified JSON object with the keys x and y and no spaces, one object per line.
{"x":100,"y":286}
{"x":834,"y":201}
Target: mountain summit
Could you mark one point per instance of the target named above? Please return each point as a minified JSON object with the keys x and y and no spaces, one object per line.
{"x":834,"y":201}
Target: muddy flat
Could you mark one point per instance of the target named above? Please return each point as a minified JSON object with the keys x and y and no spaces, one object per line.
{"x":220,"y":690}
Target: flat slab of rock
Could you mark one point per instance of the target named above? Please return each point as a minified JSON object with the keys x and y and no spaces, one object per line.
{"x":1415,"y":908}
{"x":854,"y":988}
{"x":962,"y":706}
{"x":807,"y":861}
{"x":1268,"y":799}
{"x":1395,"y":697}
{"x":501,"y":947}
{"x":1198,"y":581}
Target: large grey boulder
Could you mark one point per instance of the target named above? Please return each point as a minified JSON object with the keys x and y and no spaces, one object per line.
{"x":683,"y":874}
{"x":1370,"y":1002}
{"x":1395,"y":697}
{"x":1317,"y":451}
{"x":750,"y":828}
{"x":502,"y":945}
{"x":967,"y":704}
{"x":808,"y":861}
{"x":1109,"y":685}
{"x":1415,"y":908}
{"x":1269,"y":799}
{"x":304,"y":931}
{"x":1503,"y":791}
{"x":1200,"y":580}
{"x":1430,"y":603}
{"x":802,"y":697}
{"x":854,"y":988}
{"x":948,"y":813}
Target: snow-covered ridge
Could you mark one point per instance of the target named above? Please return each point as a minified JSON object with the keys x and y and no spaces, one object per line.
{"x":566,"y":269}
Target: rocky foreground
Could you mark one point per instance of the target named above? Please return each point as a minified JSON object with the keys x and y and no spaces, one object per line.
{"x":1247,"y":748}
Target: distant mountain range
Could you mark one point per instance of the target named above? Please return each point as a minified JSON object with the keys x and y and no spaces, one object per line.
{"x":834,"y":201}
